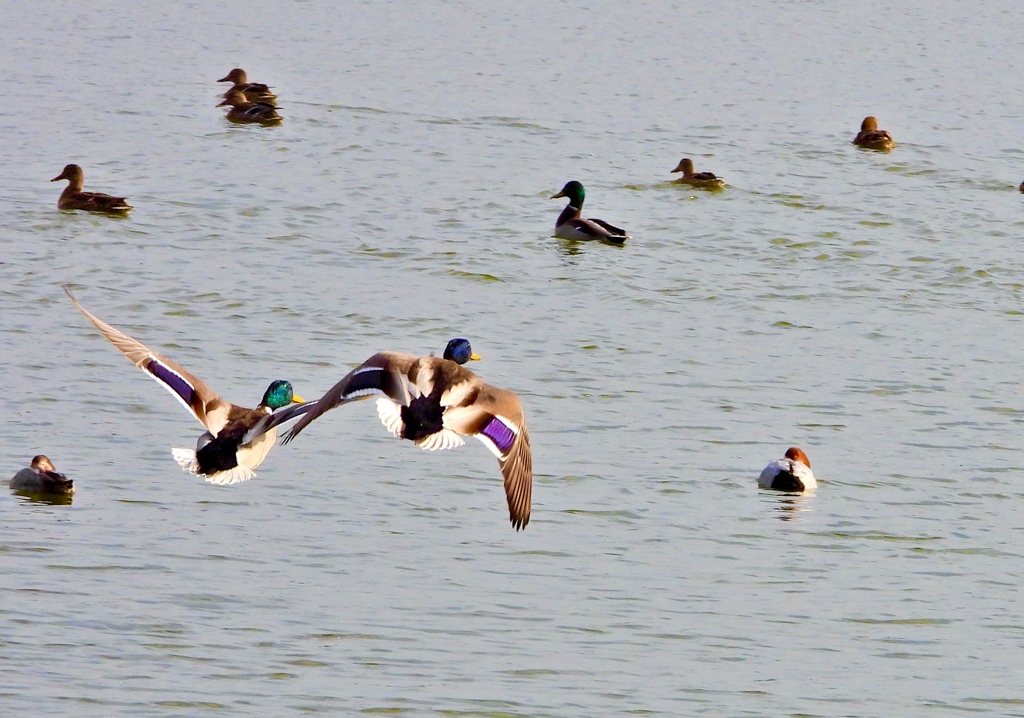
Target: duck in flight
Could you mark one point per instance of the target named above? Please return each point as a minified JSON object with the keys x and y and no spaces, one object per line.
{"x":434,"y":402}
{"x":237,"y":439}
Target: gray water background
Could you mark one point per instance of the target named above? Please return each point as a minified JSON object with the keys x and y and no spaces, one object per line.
{"x":866,"y":307}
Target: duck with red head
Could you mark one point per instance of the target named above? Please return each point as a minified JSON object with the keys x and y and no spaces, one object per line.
{"x":791,"y":473}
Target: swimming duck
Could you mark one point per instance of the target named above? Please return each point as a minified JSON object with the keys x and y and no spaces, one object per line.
{"x":74,"y":198}
{"x":42,"y":478}
{"x":704,"y":180}
{"x":253,"y":91}
{"x":872,"y":138}
{"x":434,"y":403}
{"x":244,"y":111}
{"x":237,"y":439}
{"x":793,"y":473}
{"x":570,"y":225}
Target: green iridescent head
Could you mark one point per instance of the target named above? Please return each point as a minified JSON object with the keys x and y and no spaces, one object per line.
{"x":574,"y":191}
{"x":279,"y":394}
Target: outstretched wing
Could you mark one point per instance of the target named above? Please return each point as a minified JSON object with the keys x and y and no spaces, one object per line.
{"x":495,"y":417}
{"x":278,"y":417}
{"x":202,"y":401}
{"x":385,"y":373}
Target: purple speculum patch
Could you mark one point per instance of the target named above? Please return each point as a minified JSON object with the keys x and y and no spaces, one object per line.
{"x":500,"y":434}
{"x":180,"y":387}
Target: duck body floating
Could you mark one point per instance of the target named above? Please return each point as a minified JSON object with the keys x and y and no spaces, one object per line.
{"x":702,"y":180}
{"x":237,"y":439}
{"x":570,"y":225}
{"x":41,"y":477}
{"x":872,"y":138}
{"x":434,"y":402}
{"x":253,"y":91}
{"x":791,"y":473}
{"x":244,"y":111}
{"x":74,"y":198}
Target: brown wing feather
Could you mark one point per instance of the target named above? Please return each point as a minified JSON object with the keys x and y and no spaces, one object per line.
{"x":516,"y":465}
{"x":205,"y":400}
{"x":518,"y":472}
{"x":394,"y":365}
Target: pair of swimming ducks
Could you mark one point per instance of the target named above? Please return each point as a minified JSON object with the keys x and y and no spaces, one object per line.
{"x":431,"y":401}
{"x":572,"y":225}
{"x":249,"y":101}
{"x":792,"y":473}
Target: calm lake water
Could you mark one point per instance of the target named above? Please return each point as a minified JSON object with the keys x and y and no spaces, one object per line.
{"x":866,"y":307}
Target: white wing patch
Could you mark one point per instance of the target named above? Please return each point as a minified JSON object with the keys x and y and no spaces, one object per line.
{"x":443,"y":439}
{"x":231,"y":476}
{"x":186,"y":459}
{"x":390,"y":415}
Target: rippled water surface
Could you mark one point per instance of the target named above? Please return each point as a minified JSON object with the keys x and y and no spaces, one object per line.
{"x":866,"y":307}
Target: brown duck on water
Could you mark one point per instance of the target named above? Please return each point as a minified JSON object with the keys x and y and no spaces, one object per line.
{"x":253,"y":91}
{"x":74,"y":198}
{"x":244,"y":111}
{"x":42,"y":478}
{"x":872,"y":138}
{"x":704,"y":180}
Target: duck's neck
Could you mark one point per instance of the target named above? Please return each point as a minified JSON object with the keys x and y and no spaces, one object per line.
{"x":569,"y":213}
{"x":75,"y":184}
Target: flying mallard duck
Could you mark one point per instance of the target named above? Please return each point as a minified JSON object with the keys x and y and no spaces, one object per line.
{"x":253,"y":91}
{"x":74,"y":198}
{"x":704,"y":180}
{"x":434,"y":402}
{"x":244,"y":111}
{"x":570,"y":225}
{"x":237,"y":440}
{"x":872,"y":138}
{"x":793,"y":473}
{"x":42,"y":478}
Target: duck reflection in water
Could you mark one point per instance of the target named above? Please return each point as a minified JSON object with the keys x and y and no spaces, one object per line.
{"x":789,"y":506}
